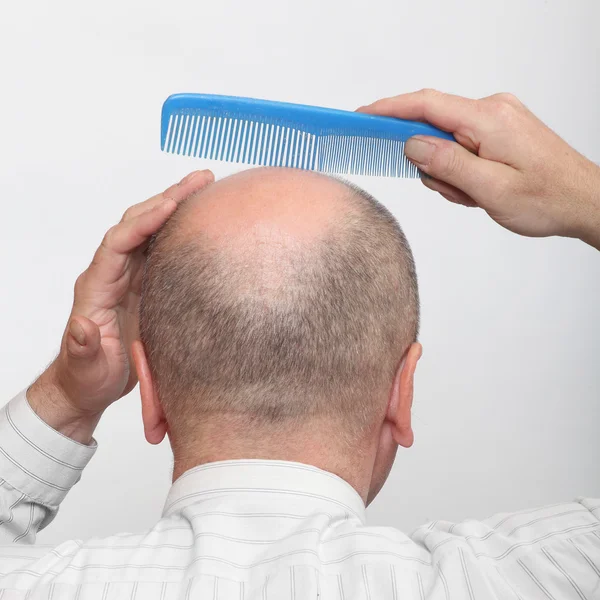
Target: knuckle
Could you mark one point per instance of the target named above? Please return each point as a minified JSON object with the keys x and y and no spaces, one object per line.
{"x":504,"y":106}
{"x":128,"y":213}
{"x":79,"y":283}
{"x":507,"y":98}
{"x":110,"y":236}
{"x":429,"y":93}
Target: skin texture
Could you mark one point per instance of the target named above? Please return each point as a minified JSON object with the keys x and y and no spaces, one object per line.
{"x":505,"y":161}
{"x":264,"y":214}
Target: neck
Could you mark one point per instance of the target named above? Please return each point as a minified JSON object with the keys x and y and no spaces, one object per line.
{"x":221,"y":438}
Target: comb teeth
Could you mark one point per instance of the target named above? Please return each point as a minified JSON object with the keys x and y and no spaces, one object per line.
{"x":240,"y":140}
{"x":278,"y":143}
{"x":358,"y":155}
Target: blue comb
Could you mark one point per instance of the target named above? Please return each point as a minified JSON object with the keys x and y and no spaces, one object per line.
{"x":262,"y":132}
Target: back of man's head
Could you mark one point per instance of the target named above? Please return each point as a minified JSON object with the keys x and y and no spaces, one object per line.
{"x":279,"y":296}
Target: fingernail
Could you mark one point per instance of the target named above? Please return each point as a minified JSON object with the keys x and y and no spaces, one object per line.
{"x":419,"y":151}
{"x":76,"y":330}
{"x":188,"y":178}
{"x":210,"y":174}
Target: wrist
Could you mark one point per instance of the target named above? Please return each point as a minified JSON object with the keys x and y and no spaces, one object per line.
{"x":50,"y":402}
{"x":588,"y":227}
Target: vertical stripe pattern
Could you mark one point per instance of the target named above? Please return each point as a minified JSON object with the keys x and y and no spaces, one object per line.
{"x":270,"y":529}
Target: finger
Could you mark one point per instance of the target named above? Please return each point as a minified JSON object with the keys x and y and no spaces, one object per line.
{"x":127,"y":236}
{"x":180,"y":191}
{"x":446,"y":111}
{"x":462,"y":116}
{"x":111,"y":257}
{"x":189,"y":184}
{"x":480,"y":179}
{"x":82,"y":338}
{"x":449,"y":192}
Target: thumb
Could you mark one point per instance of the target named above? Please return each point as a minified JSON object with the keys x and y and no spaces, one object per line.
{"x":481,"y":179}
{"x":82,"y":339}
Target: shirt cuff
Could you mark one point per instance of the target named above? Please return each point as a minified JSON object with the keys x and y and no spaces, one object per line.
{"x":34,"y":458}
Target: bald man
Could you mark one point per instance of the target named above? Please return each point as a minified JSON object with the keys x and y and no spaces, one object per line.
{"x":287,"y":300}
{"x":277,"y":346}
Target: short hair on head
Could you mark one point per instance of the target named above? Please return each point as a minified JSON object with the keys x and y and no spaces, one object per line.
{"x":323,"y":341}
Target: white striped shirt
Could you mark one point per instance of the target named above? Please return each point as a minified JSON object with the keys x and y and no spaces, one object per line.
{"x":272,"y":530}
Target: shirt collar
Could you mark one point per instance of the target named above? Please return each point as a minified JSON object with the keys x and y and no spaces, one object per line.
{"x":283,"y":477}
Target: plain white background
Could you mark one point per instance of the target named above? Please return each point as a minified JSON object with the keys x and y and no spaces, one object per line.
{"x":508,"y":391}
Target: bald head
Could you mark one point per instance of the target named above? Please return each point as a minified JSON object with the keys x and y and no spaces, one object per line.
{"x":296,"y":204}
{"x":281,"y":295}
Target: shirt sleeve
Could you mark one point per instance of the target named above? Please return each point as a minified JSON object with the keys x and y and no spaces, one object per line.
{"x":38,"y":466}
{"x":552,"y":552}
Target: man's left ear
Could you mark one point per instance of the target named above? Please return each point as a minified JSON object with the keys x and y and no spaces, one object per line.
{"x":155,"y":422}
{"x":401,"y":398}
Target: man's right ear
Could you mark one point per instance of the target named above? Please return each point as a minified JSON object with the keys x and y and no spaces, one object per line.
{"x":155,"y":422}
